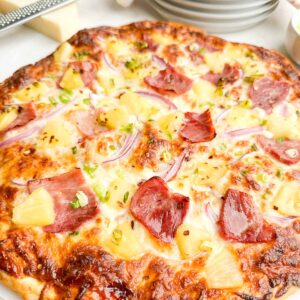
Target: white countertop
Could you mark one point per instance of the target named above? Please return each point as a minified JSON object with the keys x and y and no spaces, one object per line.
{"x":22,"y":45}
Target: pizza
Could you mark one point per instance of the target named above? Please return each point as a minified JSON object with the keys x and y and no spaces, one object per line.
{"x":151,"y":161}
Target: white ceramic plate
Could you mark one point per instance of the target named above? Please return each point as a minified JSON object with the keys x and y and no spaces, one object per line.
{"x":212,"y":26}
{"x":216,"y":16}
{"x":188,"y":4}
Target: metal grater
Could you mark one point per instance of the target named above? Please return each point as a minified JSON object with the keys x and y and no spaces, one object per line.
{"x":26,"y":13}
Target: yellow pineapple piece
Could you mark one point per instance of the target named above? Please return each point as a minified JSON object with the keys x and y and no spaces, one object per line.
{"x":36,"y":210}
{"x":120,"y":192}
{"x":239,"y":117}
{"x":204,"y":90}
{"x":216,"y":60}
{"x":222,"y":270}
{"x":209,"y":174}
{"x":7,"y":117}
{"x":171,"y":122}
{"x":33,"y":92}
{"x":192,"y":240}
{"x":71,"y":80}
{"x":118,"y":48}
{"x":109,"y":83}
{"x":124,"y":241}
{"x":57,"y":132}
{"x":284,"y":127}
{"x":288,"y":199}
{"x":63,"y":53}
{"x":114,"y":118}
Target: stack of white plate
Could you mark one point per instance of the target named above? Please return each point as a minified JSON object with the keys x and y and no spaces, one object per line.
{"x":216,"y":15}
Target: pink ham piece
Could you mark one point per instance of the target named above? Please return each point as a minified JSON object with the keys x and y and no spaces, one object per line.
{"x":287,"y":152}
{"x":26,"y":113}
{"x":88,"y":71}
{"x":241,"y":221}
{"x":230,"y":74}
{"x":266,"y":93}
{"x":158,"y":209}
{"x":63,"y":189}
{"x":86,"y":122}
{"x":169,"y":81}
{"x":198,"y":127}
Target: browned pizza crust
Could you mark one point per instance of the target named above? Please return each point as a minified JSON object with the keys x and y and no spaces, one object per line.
{"x":67,"y":270}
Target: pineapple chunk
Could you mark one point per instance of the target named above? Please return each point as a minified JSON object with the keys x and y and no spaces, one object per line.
{"x":124,"y":242}
{"x":192,"y":240}
{"x":222,"y":271}
{"x":71,"y":80}
{"x":114,"y":118}
{"x":162,"y":39}
{"x":171,"y":123}
{"x":239,"y":117}
{"x":138,"y":105}
{"x":109,"y":83}
{"x":204,"y":90}
{"x":63,"y":53}
{"x":209,"y":174}
{"x":33,"y":92}
{"x":56,"y":133}
{"x":118,"y":48}
{"x":36,"y":210}
{"x":287,"y":127}
{"x":120,"y":193}
{"x":216,"y":60}
{"x":288,"y":199}
{"x":7,"y":117}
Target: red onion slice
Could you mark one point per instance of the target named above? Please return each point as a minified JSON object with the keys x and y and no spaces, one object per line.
{"x":174,"y":167}
{"x":128,"y":145}
{"x":23,"y":135}
{"x":279,"y":220}
{"x":19,"y":182}
{"x":210,"y":213}
{"x":159,"y":62}
{"x":109,"y":63}
{"x":221,"y":115}
{"x":153,"y":95}
{"x":245,"y":131}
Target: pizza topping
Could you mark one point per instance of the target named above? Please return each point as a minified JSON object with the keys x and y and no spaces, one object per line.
{"x":286,"y":151}
{"x":230,"y":74}
{"x":241,"y":221}
{"x":159,"y":97}
{"x":198,"y":127}
{"x":86,"y":121}
{"x":68,"y":190}
{"x":266,"y":93}
{"x":87,"y":70}
{"x":18,"y":116}
{"x":169,"y":80}
{"x":158,"y":209}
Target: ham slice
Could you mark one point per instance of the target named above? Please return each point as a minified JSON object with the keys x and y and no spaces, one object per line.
{"x":169,"y":81}
{"x":158,"y":209}
{"x":287,"y":152}
{"x":198,"y":127}
{"x":88,"y":71}
{"x":26,"y":113}
{"x":86,"y":122}
{"x":266,"y":93}
{"x":230,"y":74}
{"x":241,"y":221}
{"x":63,"y":189}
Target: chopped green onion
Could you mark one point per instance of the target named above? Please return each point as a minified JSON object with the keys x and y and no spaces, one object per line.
{"x":279,"y":174}
{"x":264,"y":122}
{"x":65,"y":96}
{"x":53,"y":101}
{"x":127,"y":128}
{"x":202,"y":51}
{"x":112,"y":147}
{"x":73,"y":233}
{"x":219,"y":91}
{"x":90,"y":168}
{"x":238,"y":153}
{"x":80,"y":54}
{"x":262,"y":178}
{"x":74,"y":150}
{"x":244,"y":172}
{"x":117,"y":235}
{"x":169,"y":135}
{"x":125,"y":198}
{"x":112,"y":82}
{"x":166,"y":156}
{"x":280,"y":139}
{"x":252,"y":78}
{"x":151,"y":141}
{"x":223,"y":146}
{"x":141,"y":45}
{"x":133,"y":64}
{"x":254,"y":147}
{"x":86,"y":101}
{"x":75,"y":203}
